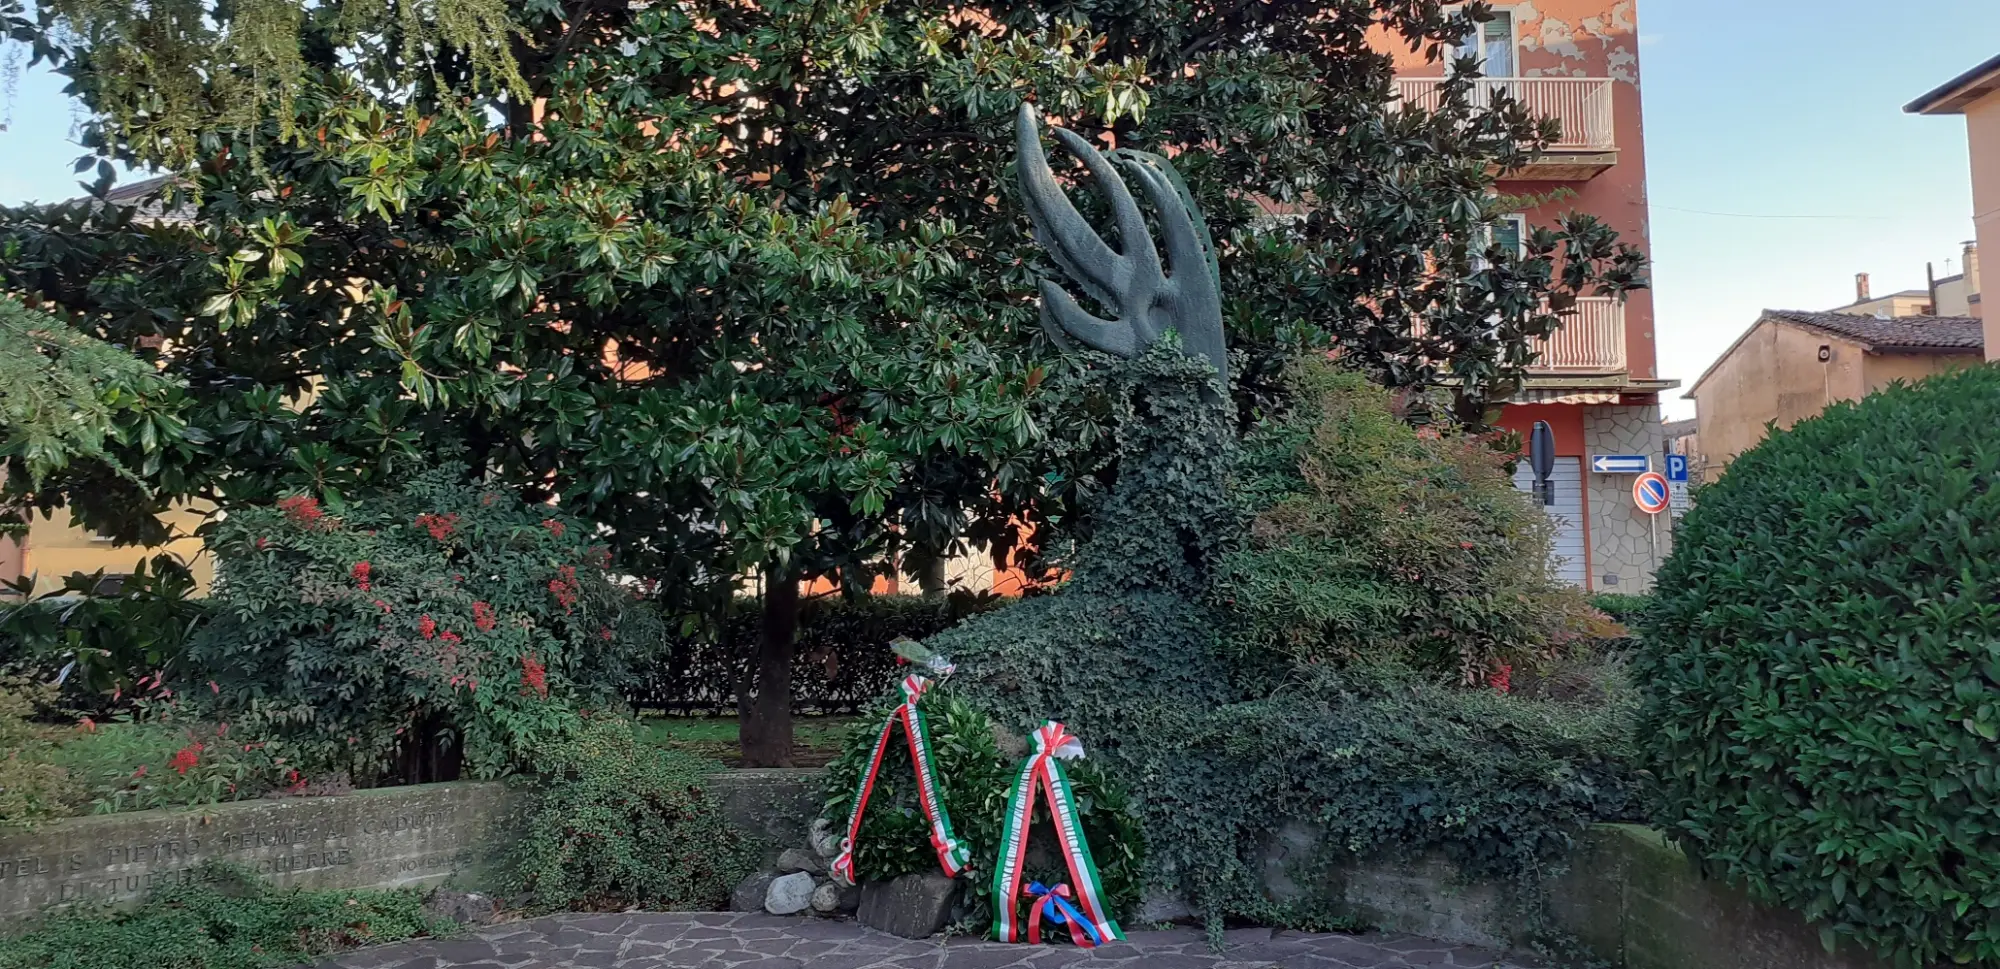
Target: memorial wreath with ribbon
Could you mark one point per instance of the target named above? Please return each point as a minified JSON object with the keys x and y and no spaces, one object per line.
{"x":1086,"y":914}
{"x":952,"y":854}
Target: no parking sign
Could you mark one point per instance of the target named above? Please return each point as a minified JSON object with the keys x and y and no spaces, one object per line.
{"x":1649,"y":492}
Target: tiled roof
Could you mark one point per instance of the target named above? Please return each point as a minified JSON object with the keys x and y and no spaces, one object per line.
{"x":1919,"y":333}
{"x":1674,"y":429}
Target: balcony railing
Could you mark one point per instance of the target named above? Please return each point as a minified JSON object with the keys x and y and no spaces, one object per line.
{"x":1582,"y":104}
{"x":1591,"y":340}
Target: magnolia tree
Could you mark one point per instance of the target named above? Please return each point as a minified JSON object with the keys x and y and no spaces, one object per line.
{"x":747,"y":284}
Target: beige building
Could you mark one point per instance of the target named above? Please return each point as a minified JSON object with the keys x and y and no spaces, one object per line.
{"x":1953,"y":295}
{"x":55,"y":546}
{"x":1791,"y":364}
{"x":1976,"y":95}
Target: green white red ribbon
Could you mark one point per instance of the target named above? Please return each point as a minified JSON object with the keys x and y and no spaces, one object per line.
{"x":952,"y":854}
{"x":1043,"y":771}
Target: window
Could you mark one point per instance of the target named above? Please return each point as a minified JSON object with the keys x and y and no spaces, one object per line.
{"x":1509,"y":232}
{"x":1492,"y":43}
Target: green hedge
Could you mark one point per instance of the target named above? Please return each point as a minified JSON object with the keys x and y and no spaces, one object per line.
{"x":842,"y":661}
{"x":1823,"y":663}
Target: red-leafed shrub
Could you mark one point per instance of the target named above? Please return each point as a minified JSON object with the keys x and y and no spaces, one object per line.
{"x":409,"y":634}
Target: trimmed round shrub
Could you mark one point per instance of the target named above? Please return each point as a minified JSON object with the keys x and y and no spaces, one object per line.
{"x":1822,"y":658}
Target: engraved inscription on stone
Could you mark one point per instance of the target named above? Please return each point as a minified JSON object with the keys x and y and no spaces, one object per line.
{"x":368,"y":839}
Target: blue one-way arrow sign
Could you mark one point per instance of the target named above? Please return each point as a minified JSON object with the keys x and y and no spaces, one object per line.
{"x":1620,"y":463}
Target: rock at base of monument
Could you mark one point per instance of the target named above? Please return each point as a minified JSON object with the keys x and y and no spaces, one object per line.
{"x":1157,"y":906}
{"x":795,"y":859}
{"x":789,"y":894}
{"x":462,"y":908}
{"x":912,"y":906}
{"x":826,"y":899}
{"x":825,"y":840}
{"x":749,"y":893}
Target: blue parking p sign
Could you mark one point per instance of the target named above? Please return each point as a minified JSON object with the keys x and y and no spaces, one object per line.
{"x":1677,"y":468}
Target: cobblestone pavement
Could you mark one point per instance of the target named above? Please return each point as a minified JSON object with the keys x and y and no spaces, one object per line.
{"x":758,"y":941}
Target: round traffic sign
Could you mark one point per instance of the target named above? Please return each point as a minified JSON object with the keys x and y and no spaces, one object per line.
{"x":1649,"y":492}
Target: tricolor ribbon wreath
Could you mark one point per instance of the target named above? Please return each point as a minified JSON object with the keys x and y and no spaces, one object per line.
{"x":952,"y":854}
{"x":1043,"y":771}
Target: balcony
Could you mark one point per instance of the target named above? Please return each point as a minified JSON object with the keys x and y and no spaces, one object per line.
{"x":1591,"y":341}
{"x":1589,"y":141}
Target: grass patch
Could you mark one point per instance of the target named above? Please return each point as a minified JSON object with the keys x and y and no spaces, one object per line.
{"x":816,"y":740}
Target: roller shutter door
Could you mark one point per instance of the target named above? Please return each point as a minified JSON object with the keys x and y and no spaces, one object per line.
{"x":1567,"y":477}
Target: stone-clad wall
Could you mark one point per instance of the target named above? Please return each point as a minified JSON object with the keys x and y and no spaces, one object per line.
{"x":1625,"y":547}
{"x":1630,"y":897}
{"x":392,"y":837}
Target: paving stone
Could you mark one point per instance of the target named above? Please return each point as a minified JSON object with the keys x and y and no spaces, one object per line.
{"x":757,"y":941}
{"x":1466,"y":957}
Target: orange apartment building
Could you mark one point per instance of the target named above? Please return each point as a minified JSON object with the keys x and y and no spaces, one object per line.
{"x":1597,"y":381}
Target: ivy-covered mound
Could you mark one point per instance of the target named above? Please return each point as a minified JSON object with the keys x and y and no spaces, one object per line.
{"x":420,"y":631}
{"x":1822,"y":667}
{"x":1223,"y":733}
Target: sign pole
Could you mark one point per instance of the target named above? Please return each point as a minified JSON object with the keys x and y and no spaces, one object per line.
{"x":1653,"y":540}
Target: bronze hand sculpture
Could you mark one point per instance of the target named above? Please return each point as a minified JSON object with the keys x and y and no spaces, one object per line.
{"x":1148,"y":298}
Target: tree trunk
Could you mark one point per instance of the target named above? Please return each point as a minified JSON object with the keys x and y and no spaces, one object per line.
{"x":930,"y":576}
{"x":765,"y":723}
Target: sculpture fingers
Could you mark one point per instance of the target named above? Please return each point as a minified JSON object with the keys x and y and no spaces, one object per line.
{"x":1187,"y":252}
{"x":1064,"y":319}
{"x":1133,"y":236}
{"x":1060,"y":228}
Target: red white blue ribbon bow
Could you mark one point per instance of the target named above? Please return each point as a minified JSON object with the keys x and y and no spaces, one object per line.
{"x":1043,"y":771}
{"x":952,"y":854}
{"x":1054,"y":903}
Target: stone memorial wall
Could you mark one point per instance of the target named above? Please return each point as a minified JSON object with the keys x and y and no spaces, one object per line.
{"x":388,"y":838}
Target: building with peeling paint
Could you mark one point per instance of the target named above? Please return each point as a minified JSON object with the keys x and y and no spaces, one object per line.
{"x":1597,"y":381}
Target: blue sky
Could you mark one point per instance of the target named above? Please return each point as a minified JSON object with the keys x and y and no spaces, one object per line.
{"x":1779,"y":159}
{"x":1786,"y":116}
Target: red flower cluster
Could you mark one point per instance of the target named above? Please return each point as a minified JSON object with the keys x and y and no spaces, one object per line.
{"x":602,"y":553}
{"x":555,"y":528}
{"x":361,"y":572}
{"x":564,"y":586}
{"x":534,"y":676}
{"x":604,"y":633}
{"x":302,"y":510}
{"x":185,"y":758}
{"x":1502,"y":679}
{"x":440,"y":526}
{"x":428,"y":627}
{"x":483,"y":618}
